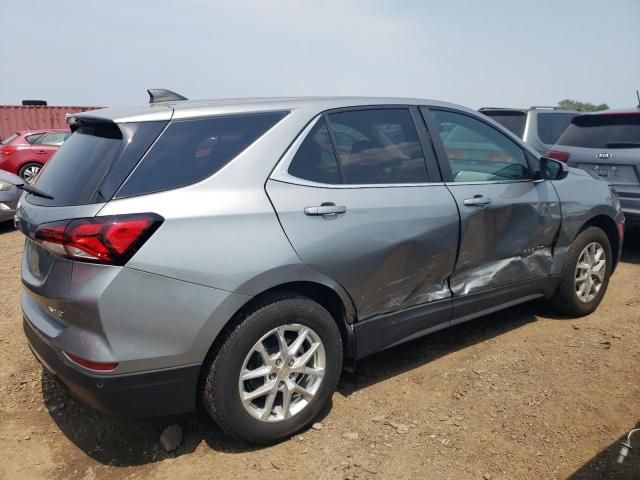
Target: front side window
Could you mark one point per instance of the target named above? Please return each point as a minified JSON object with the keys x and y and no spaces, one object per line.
{"x":478,"y":152}
{"x":191,"y":150}
{"x":315,"y":160}
{"x":378,"y":146}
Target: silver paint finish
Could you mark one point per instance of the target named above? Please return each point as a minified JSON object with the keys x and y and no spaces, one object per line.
{"x":394,"y":247}
{"x":222,"y":243}
{"x":282,"y":373}
{"x":508,"y":240}
{"x":590,"y":272}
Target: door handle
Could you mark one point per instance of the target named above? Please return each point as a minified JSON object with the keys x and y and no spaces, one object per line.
{"x":328,"y":209}
{"x":477,"y":201}
{"x":42,"y":151}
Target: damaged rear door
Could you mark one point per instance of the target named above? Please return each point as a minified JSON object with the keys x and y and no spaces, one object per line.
{"x":357,"y":204}
{"x":509,"y":220}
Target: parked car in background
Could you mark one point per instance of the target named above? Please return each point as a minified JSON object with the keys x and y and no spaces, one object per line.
{"x":25,"y":153}
{"x":539,"y":127}
{"x":606,"y":144}
{"x":9,"y":195}
{"x":237,"y":252}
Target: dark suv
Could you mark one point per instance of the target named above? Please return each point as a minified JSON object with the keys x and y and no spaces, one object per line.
{"x":539,"y":127}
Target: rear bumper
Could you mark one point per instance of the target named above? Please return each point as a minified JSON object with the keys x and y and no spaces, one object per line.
{"x":159,"y":392}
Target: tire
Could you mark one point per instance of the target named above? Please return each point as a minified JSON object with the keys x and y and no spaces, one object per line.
{"x":221,"y":392}
{"x":29,"y":171}
{"x":567,"y":298}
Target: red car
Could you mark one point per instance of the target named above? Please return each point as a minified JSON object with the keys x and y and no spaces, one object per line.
{"x":25,"y":153}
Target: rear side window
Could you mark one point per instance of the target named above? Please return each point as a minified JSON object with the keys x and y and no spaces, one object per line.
{"x":53,"y":139}
{"x":552,"y":125}
{"x":93,"y":162}
{"x":378,"y":146}
{"x":191,"y":150}
{"x":514,"y":121}
{"x":33,"y":138}
{"x":315,"y":160}
{"x":603,"y":131}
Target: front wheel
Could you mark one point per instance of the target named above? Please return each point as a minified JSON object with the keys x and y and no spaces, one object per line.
{"x":30,"y":171}
{"x":275,"y":370}
{"x":585,"y":273}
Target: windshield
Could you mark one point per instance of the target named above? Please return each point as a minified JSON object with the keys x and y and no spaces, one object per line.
{"x":603,"y":131}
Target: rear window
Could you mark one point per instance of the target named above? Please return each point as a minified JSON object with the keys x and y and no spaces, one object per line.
{"x":9,"y":139}
{"x":192,"y":150}
{"x":514,"y":121}
{"x":603,"y":131}
{"x":93,"y":162}
{"x":552,"y":125}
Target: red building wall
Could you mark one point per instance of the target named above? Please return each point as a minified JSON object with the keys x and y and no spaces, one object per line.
{"x":17,"y":117}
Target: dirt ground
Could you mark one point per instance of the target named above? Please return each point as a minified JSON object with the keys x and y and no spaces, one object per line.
{"x":518,"y":394}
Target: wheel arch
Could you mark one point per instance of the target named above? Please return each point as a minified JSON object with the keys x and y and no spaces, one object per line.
{"x":610,"y":228}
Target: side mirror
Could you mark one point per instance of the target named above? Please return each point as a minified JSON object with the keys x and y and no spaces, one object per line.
{"x":551,"y":169}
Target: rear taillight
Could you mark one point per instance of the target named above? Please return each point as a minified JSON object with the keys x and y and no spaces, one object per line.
{"x":6,"y":151}
{"x":112,"y":240}
{"x":558,"y":155}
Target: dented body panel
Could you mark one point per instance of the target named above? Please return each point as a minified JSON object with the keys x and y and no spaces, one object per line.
{"x":394,"y":247}
{"x":507,"y":241}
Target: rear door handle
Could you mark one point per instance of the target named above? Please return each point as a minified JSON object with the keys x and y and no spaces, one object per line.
{"x":477,"y":201}
{"x":325,"y":209}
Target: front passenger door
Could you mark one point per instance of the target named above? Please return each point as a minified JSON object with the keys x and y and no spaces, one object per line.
{"x":509,"y":220}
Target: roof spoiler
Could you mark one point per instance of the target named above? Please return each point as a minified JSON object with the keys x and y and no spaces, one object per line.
{"x":162,"y":95}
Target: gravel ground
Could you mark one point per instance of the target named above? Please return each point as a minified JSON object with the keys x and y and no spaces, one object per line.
{"x":518,"y":394}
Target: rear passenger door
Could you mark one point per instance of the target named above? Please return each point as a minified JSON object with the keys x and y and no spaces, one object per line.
{"x":509,"y":219}
{"x":360,"y":201}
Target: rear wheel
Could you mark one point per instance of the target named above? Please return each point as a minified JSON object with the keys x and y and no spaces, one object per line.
{"x":585,"y":273}
{"x":30,"y":171}
{"x":275,"y":370}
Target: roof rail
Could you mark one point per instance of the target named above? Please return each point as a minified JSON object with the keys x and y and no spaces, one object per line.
{"x":500,"y":108}
{"x":543,"y":107}
{"x":162,"y":95}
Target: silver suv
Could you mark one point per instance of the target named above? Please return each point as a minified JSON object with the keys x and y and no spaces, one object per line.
{"x":539,"y":127}
{"x":241,"y":252}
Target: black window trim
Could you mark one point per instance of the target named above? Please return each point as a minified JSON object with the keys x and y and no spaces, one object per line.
{"x":441,"y":154}
{"x":280,"y":171}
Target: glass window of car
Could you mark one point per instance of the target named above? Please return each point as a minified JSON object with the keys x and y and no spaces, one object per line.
{"x":603,"y":131}
{"x":513,"y":120}
{"x":315,"y":160}
{"x":378,"y":146}
{"x":478,"y":152}
{"x":552,"y":125}
{"x":191,"y":150}
{"x":9,"y":139}
{"x":53,"y":139}
{"x":33,"y":138}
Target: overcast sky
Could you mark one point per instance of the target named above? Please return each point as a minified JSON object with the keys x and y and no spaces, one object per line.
{"x":476,"y":53}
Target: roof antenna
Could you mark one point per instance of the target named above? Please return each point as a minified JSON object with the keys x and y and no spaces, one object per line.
{"x":162,"y":95}
{"x":638,"y":95}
